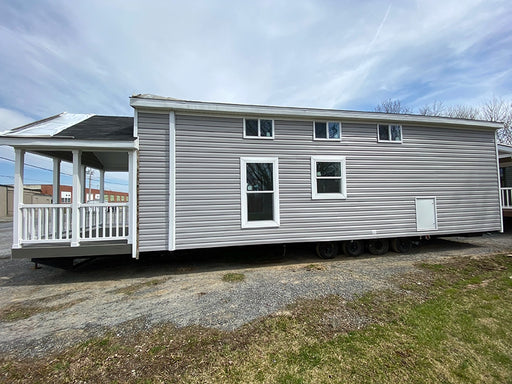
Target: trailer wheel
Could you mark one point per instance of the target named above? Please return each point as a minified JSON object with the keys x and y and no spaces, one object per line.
{"x":378,"y":246}
{"x":327,"y":250}
{"x":401,"y":245}
{"x":353,"y":248}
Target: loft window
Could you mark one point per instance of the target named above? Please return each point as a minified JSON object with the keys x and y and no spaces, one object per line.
{"x":259,"y":128}
{"x":328,"y":177}
{"x":260,"y":192}
{"x":327,"y":130}
{"x":389,"y":133}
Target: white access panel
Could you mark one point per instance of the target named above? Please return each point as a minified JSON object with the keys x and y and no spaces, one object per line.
{"x":426,"y":213}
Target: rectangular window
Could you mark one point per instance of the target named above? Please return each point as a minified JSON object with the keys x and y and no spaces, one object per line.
{"x":259,"y":183}
{"x":389,"y":133}
{"x":328,"y":177}
{"x":259,"y":128}
{"x":327,"y":130}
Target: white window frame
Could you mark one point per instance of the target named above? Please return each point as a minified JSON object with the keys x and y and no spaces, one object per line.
{"x":243,"y":189}
{"x":389,"y":133}
{"x":328,"y":196}
{"x":259,"y":129}
{"x":327,"y":130}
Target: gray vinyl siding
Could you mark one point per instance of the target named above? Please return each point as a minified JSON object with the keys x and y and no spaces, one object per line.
{"x":153,"y":183}
{"x":457,"y":166}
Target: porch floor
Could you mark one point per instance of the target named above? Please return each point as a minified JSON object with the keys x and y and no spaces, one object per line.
{"x":86,"y":248}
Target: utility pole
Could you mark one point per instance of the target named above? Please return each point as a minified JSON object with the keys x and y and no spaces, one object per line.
{"x":90,"y":173}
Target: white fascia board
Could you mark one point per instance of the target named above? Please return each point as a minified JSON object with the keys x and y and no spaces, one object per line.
{"x":310,"y":113}
{"x":39,"y":143}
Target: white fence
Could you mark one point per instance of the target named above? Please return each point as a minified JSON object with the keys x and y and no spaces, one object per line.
{"x":52,"y":223}
{"x":506,"y":197}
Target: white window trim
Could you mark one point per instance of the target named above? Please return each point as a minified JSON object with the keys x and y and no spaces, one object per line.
{"x":389,"y":133}
{"x":243,"y":191}
{"x":328,"y":196}
{"x":327,"y":129}
{"x":259,"y":130}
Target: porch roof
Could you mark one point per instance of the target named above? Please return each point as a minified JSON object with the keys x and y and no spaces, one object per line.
{"x":77,"y":126}
{"x":104,"y":140}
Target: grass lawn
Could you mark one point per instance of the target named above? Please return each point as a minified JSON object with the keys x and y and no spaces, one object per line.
{"x":448,"y":324}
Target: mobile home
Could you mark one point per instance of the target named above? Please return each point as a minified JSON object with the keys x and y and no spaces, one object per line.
{"x":204,"y":174}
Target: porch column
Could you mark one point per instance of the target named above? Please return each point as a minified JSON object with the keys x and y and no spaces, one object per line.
{"x":132,"y":203}
{"x":17,"y":225}
{"x":56,"y":181}
{"x":102,"y":185}
{"x":77,"y":197}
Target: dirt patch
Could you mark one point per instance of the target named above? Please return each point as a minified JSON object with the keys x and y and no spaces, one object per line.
{"x":24,"y":309}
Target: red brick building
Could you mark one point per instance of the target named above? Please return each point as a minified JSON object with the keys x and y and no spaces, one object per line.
{"x":66,"y":194}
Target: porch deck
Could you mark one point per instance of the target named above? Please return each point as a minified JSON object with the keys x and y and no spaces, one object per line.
{"x":86,"y":248}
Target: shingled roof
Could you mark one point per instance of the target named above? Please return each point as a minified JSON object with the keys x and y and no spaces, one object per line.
{"x":79,"y":127}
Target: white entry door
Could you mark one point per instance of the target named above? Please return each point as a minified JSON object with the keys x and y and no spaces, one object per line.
{"x":426,"y":213}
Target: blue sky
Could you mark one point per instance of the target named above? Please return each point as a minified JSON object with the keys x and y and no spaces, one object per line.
{"x":90,"y":56}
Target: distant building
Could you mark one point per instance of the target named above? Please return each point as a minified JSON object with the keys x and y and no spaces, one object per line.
{"x":66,"y":194}
{"x":42,"y":194}
{"x":30,"y":196}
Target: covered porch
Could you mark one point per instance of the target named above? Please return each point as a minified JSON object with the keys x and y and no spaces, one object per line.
{"x":505,"y":162}
{"x":84,"y":226}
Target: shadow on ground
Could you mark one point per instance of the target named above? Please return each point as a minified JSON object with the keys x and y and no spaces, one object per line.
{"x":154,"y":265}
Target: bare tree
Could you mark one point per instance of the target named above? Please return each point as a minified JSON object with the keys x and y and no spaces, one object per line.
{"x":493,"y":109}
{"x":436,"y":108}
{"x":463,"y":112}
{"x":392,"y":106}
{"x":497,"y":109}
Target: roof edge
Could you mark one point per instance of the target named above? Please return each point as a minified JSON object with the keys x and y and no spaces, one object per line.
{"x":160,"y":102}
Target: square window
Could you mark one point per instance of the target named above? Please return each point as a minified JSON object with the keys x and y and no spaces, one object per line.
{"x":251,"y":127}
{"x":259,"y":128}
{"x":334,"y":130}
{"x":260,"y":206}
{"x":260,"y":177}
{"x":320,"y":130}
{"x":328,"y":177}
{"x":389,"y":133}
{"x":266,"y":128}
{"x":327,"y":130}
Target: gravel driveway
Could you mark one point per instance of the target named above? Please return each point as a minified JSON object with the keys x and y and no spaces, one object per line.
{"x":124,"y":295}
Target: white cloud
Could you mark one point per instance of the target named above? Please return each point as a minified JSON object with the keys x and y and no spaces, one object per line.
{"x":12,"y":119}
{"x":89,"y":56}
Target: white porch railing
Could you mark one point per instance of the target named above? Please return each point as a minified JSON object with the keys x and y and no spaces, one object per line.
{"x":506,"y":197}
{"x":103,"y":221}
{"x":45,"y":223}
{"x":52,"y":223}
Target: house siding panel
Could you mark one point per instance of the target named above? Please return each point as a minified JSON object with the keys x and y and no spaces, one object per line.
{"x":153,"y":131}
{"x":457,"y":166}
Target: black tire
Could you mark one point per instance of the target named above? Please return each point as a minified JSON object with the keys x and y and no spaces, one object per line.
{"x":353,"y":248}
{"x":378,"y":246}
{"x":401,"y":245}
{"x":327,"y":250}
